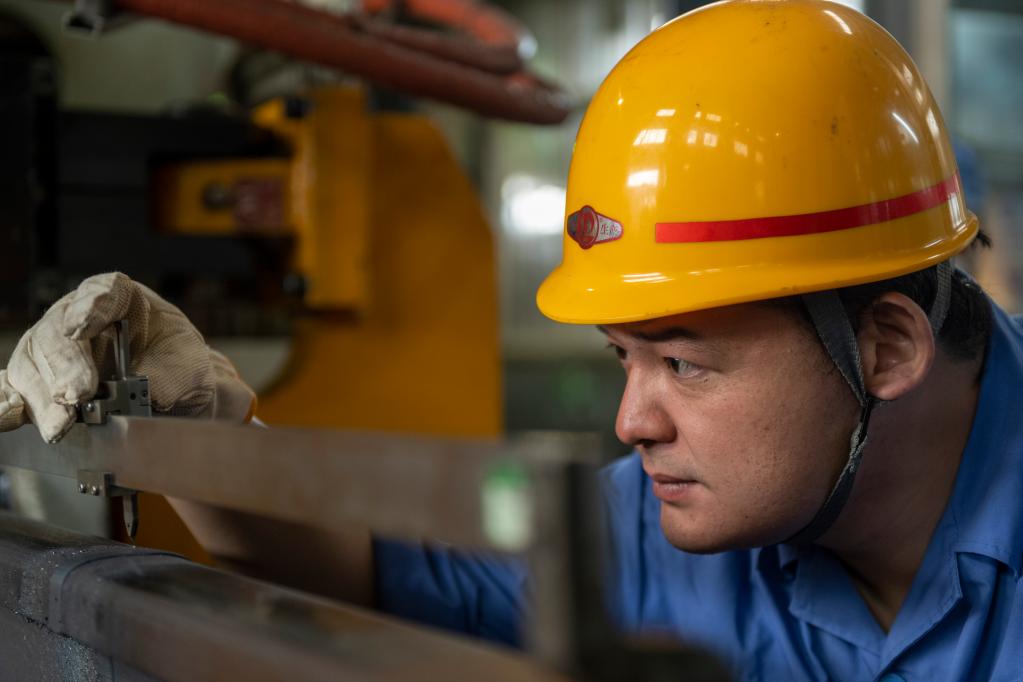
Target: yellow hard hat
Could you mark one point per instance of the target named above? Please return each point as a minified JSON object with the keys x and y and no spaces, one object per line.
{"x":750,"y":150}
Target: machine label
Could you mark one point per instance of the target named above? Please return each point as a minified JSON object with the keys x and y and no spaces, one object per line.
{"x":587,"y":227}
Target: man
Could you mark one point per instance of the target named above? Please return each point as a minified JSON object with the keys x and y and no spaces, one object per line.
{"x":827,"y":483}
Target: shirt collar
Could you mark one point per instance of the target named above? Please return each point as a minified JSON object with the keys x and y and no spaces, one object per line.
{"x":985,"y":502}
{"x":782,"y":560}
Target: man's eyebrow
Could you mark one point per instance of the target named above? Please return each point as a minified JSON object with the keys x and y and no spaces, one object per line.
{"x":659,"y":335}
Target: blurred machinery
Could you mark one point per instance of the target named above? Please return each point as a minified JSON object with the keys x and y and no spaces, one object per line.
{"x":252,"y":238}
{"x":318,"y":215}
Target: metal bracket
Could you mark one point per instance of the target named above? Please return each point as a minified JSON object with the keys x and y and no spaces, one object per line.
{"x":102,"y":484}
{"x":90,"y":18}
{"x":127,"y":397}
{"x":123,"y":394}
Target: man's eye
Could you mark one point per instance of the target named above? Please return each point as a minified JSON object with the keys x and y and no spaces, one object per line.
{"x":681,"y":367}
{"x":619,"y":351}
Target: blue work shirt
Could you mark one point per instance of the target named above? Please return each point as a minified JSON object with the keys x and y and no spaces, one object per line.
{"x":781,"y":613}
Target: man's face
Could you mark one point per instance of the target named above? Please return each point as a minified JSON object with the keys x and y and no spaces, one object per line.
{"x":741,"y":420}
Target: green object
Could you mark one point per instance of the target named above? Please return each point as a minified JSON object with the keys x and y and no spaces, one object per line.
{"x":507,"y":507}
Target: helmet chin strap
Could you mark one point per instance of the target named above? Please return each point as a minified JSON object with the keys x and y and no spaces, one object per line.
{"x":836,"y":334}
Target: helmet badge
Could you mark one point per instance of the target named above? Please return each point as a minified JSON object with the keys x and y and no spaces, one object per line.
{"x":587,"y":227}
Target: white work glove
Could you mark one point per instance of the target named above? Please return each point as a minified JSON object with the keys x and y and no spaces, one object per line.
{"x":58,"y":362}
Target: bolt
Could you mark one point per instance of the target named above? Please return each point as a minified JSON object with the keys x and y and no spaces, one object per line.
{"x":94,"y":490}
{"x":89,"y":407}
{"x":218,"y":196}
{"x":82,"y":488}
{"x":297,"y":107}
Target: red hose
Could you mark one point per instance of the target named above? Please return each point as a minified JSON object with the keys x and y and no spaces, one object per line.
{"x":488,"y":25}
{"x":344,"y":43}
{"x":470,"y":52}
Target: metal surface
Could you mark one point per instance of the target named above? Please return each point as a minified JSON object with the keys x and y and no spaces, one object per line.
{"x":144,"y":610}
{"x":31,"y":652}
{"x":102,"y":484}
{"x":81,"y":608}
{"x":399,"y":486}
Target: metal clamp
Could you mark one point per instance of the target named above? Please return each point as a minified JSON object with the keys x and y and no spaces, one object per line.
{"x":102,"y":484}
{"x":123,"y":394}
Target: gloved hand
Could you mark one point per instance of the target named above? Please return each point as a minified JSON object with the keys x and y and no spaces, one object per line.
{"x":58,"y":362}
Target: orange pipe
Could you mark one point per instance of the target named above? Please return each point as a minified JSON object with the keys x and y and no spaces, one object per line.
{"x":489,"y":25}
{"x":341,"y":42}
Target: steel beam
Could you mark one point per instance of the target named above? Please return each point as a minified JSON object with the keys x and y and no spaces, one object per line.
{"x":163,"y":616}
{"x":400,"y":486}
{"x":84,"y":608}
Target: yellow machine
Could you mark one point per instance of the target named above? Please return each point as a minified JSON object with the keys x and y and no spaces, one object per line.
{"x":400,"y":330}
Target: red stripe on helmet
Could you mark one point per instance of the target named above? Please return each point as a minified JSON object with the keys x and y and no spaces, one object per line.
{"x":808,"y":223}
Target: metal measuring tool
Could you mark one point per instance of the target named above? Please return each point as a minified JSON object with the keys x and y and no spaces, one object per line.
{"x":125,"y":395}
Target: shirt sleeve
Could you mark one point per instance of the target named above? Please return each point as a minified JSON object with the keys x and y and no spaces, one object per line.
{"x":486,"y":595}
{"x":468,"y":592}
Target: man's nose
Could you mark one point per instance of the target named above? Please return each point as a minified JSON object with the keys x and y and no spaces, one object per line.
{"x":642,"y":419}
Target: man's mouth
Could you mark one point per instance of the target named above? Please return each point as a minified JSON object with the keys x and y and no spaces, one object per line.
{"x":671,"y":489}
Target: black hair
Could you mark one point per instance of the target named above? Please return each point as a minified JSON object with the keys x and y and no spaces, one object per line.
{"x":967,"y":326}
{"x":964,"y":333}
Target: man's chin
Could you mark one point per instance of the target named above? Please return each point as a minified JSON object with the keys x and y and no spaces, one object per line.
{"x":696,"y":536}
{"x":698,"y":546}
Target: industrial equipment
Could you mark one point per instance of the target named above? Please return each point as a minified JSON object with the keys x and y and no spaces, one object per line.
{"x":120,"y":612}
{"x":349,"y":228}
{"x":318,"y":217}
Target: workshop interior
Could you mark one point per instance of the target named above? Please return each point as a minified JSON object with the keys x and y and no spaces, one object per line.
{"x":355,"y":201}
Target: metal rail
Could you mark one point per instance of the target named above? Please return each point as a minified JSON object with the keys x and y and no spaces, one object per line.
{"x":463,"y":491}
{"x":142,"y":613}
{"x":74,"y":607}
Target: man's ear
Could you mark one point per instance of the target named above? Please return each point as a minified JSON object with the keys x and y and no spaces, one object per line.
{"x":897,"y":346}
